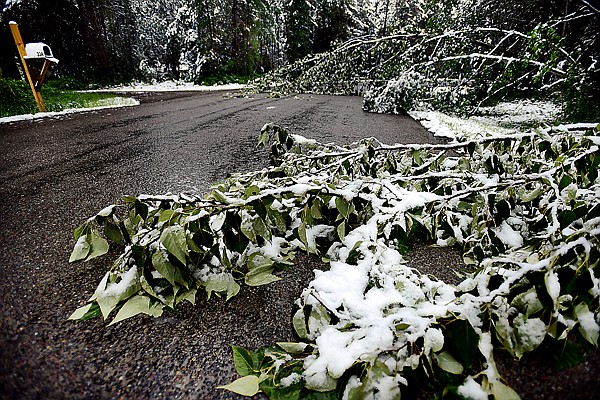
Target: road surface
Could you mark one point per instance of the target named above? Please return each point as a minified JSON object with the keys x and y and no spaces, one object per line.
{"x":56,"y":172}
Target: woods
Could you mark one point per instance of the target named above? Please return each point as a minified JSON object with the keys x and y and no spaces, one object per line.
{"x":185,"y":39}
{"x":190,"y":39}
{"x":454,"y":55}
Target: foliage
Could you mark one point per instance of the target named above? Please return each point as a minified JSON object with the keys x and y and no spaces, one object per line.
{"x":454,"y":70}
{"x":445,"y":58}
{"x":523,"y":207}
{"x":15,"y":98}
{"x":59,"y":100}
{"x":58,"y":96}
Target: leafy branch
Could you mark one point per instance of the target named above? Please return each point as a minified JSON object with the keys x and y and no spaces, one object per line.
{"x":524,"y":208}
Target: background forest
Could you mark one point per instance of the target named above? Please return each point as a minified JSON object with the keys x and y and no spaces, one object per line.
{"x":120,"y":40}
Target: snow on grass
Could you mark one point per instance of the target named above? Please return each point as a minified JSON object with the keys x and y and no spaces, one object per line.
{"x":102,"y":104}
{"x":168,"y":86}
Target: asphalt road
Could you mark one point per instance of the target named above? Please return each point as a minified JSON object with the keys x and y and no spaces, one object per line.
{"x":56,"y":172}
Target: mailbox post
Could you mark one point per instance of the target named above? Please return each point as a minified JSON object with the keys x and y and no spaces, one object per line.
{"x":33,"y":51}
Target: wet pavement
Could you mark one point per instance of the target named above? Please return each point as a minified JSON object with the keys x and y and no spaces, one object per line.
{"x":56,"y":172}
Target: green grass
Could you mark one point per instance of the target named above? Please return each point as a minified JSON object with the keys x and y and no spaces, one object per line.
{"x":16,"y":97}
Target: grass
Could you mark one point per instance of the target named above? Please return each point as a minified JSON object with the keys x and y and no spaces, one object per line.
{"x":58,"y":95}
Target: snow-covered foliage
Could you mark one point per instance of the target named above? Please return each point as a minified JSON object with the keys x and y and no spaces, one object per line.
{"x":8,"y":4}
{"x":442,"y":56}
{"x":452,"y":70}
{"x":524,"y":208}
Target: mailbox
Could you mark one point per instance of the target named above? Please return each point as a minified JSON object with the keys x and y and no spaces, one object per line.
{"x":33,"y":51}
{"x":39,"y":51}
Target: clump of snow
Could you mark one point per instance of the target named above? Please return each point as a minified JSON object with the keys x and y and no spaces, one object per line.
{"x":472,"y":390}
{"x":291,"y":379}
{"x":117,"y":289}
{"x":508,"y":235}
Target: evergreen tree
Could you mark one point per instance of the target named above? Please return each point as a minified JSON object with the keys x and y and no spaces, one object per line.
{"x":333,"y":22}
{"x":298,"y":29}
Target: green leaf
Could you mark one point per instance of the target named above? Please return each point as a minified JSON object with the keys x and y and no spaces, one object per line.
{"x":189,"y":295}
{"x":503,"y":392}
{"x":107,"y":304}
{"x":341,"y":230}
{"x":565,"y":181}
{"x":277,"y":392}
{"x":219,"y":196}
{"x":417,"y":156}
{"x":251,"y":191}
{"x":566,"y":217}
{"x":80,"y":250}
{"x":166,"y":269}
{"x":260,"y":279}
{"x":315,"y":209}
{"x":343,"y":206}
{"x":243,"y":361}
{"x":168,"y":216}
{"x":174,"y":240}
{"x":302,"y":234}
{"x":98,"y":245}
{"x":134,"y":306}
{"x":299,"y":323}
{"x":448,"y":363}
{"x":245,"y":386}
{"x":141,"y":209}
{"x":261,"y":228}
{"x":463,"y":341}
{"x":588,"y":327}
{"x":81,"y":311}
{"x":278,"y":218}
{"x":247,"y":228}
{"x":263,"y":138}
{"x":293,"y":347}
{"x":82,"y":230}
{"x":113,"y":232}
{"x":526,"y":197}
{"x":222,"y":283}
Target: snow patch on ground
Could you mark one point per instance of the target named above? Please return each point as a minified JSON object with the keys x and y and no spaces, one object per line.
{"x":104,"y":104}
{"x":169,"y":86}
{"x":503,"y":119}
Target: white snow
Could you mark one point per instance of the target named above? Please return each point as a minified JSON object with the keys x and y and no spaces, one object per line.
{"x":553,"y":285}
{"x":168,"y":86}
{"x":509,"y":236}
{"x":472,"y":390}
{"x":106,"y":104}
{"x":503,"y":119}
{"x":117,"y":289}
{"x":291,"y":379}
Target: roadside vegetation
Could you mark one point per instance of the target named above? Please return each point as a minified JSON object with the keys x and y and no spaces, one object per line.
{"x":58,"y":95}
